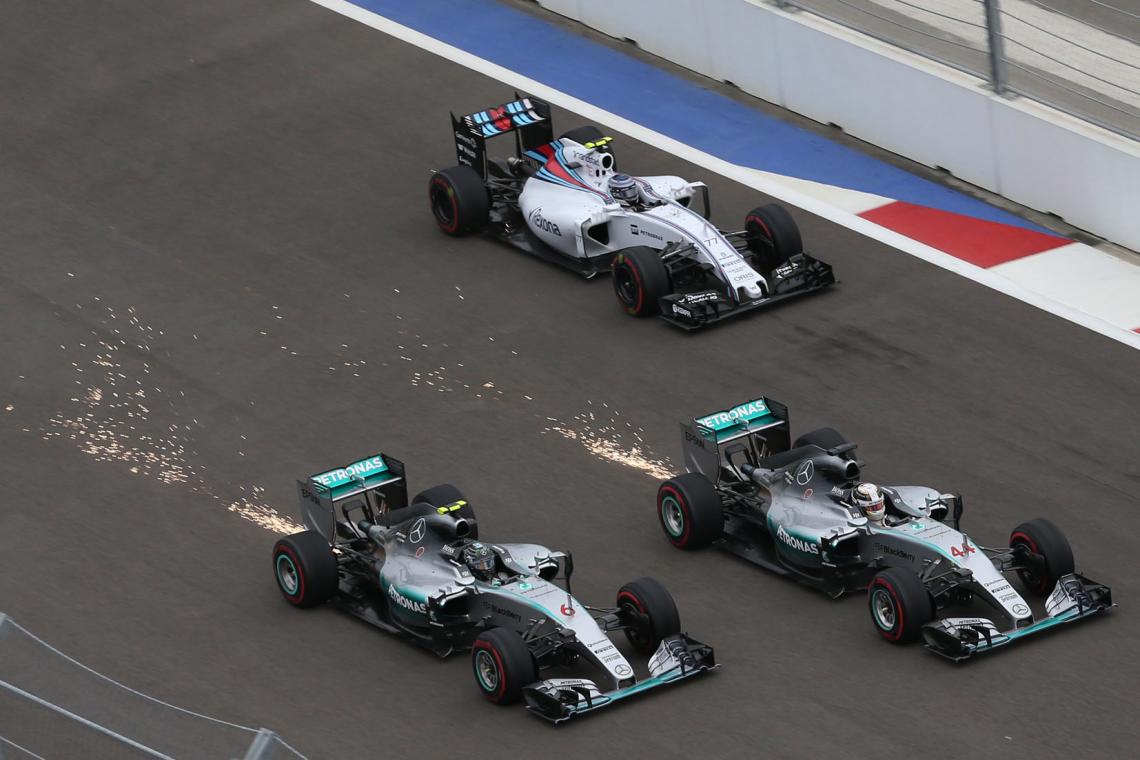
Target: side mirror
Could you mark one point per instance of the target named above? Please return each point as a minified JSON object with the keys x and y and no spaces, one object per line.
{"x":957,"y":509}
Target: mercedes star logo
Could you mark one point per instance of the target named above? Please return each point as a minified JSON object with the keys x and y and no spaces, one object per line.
{"x":416,"y":534}
{"x":805,"y":472}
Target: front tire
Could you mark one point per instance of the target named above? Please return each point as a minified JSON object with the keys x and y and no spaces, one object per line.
{"x":899,"y":604}
{"x":640,"y":280}
{"x":459,"y":200}
{"x":445,"y":494}
{"x":503,"y":665}
{"x":649,"y":611}
{"x":773,"y":235}
{"x":305,"y":568}
{"x":689,"y":510}
{"x":1054,"y":554}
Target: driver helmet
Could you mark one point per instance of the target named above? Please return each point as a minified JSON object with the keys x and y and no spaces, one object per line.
{"x":623,"y":188}
{"x":869,"y":498}
{"x":479,"y":558}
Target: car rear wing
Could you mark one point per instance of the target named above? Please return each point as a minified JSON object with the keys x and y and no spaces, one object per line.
{"x":368,"y":485}
{"x":527,"y":118}
{"x":760,"y":425}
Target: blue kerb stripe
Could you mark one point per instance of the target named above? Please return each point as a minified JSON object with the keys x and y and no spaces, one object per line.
{"x":685,"y":111}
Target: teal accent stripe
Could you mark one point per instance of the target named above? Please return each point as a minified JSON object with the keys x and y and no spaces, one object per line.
{"x":637,"y":688}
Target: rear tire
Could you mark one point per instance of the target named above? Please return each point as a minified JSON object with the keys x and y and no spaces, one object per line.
{"x":445,"y":494}
{"x":824,"y":437}
{"x":503,"y":665}
{"x":1043,"y":538}
{"x":689,"y":510}
{"x":459,"y":200}
{"x":640,"y":280}
{"x":305,"y":568}
{"x":899,"y":604}
{"x":588,"y":134}
{"x":650,"y":608}
{"x":772,"y":235}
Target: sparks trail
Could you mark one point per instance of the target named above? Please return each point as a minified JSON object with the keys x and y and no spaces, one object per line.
{"x":604,"y":435}
{"x":116,"y":419}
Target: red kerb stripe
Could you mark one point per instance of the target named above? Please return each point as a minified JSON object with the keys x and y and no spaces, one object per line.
{"x":977,"y":241}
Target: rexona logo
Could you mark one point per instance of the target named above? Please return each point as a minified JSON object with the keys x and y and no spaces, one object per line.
{"x":542,"y":223}
{"x":744,"y":412}
{"x":408,"y":604}
{"x":797,"y":543}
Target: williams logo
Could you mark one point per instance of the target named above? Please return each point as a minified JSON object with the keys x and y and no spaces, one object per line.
{"x":411,"y":605}
{"x":539,"y":222}
{"x":797,"y":543}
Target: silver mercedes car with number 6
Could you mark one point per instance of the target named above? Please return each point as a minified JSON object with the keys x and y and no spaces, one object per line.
{"x":420,"y":569}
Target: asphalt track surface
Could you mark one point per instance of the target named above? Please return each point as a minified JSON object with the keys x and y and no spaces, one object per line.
{"x":233,"y":195}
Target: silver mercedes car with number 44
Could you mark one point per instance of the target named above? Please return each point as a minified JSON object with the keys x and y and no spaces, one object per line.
{"x":804,"y":511}
{"x":421,"y":570}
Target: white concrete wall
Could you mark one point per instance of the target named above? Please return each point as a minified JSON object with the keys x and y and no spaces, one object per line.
{"x":917,"y":108}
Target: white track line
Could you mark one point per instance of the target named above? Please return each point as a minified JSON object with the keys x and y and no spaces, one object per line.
{"x":743,"y":175}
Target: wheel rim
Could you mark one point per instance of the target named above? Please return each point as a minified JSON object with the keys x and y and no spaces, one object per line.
{"x":287,"y":575}
{"x":486,"y":671}
{"x":883,"y":610}
{"x":625,"y":285}
{"x":673,"y":517}
{"x":441,"y":204}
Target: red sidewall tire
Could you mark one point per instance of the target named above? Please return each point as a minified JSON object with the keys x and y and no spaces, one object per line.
{"x":513,"y":662}
{"x":625,"y":264}
{"x":669,"y":491}
{"x":895,"y":633}
{"x":497,"y":695}
{"x":285,"y":551}
{"x":910,"y":605}
{"x":307,"y":561}
{"x":439,"y":184}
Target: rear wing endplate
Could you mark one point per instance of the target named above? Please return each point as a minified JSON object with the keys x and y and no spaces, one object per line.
{"x":321,"y":493}
{"x":704,"y":438}
{"x":528,"y":118}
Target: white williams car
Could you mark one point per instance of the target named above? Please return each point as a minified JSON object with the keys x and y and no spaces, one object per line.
{"x":565,"y":201}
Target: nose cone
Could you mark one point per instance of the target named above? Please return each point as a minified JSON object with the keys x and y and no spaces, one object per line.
{"x":754,"y":290}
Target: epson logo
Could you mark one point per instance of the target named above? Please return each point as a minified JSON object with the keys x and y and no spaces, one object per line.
{"x":797,"y":543}
{"x":408,"y":604}
{"x":542,"y":223}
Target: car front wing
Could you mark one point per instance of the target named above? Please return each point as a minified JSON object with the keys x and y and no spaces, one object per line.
{"x":558,"y":699}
